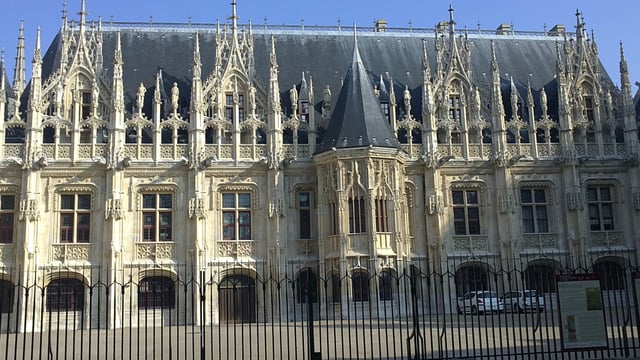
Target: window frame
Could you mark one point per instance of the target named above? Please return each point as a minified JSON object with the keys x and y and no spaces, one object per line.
{"x":538,"y":224}
{"x":461,"y":212}
{"x":357,"y":215}
{"x":153,"y":218}
{"x":7,"y":218}
{"x":240,"y":227}
{"x":74,"y":225}
{"x":305,"y":218}
{"x":598,"y":207}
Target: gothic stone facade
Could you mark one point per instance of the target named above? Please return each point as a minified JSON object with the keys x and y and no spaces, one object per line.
{"x":139,"y":154}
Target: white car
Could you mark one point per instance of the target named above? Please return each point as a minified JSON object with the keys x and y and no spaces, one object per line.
{"x":479,"y":302}
{"x":523,"y":300}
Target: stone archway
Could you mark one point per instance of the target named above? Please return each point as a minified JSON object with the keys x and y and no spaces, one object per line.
{"x":237,"y":299}
{"x":612,"y":273}
{"x":540,"y":275}
{"x":472,"y":277}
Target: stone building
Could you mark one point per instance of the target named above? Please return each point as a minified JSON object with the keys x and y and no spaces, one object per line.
{"x":155,"y":157}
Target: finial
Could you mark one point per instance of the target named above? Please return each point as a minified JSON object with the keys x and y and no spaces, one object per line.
{"x":83,"y":14}
{"x":234,"y":16}
{"x":451,"y":20}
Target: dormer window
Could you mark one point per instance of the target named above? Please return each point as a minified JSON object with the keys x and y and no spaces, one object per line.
{"x":385,"y":110}
{"x":85,"y":105}
{"x":230,"y":105}
{"x":589,"y":115}
{"x":304,"y":111}
{"x":455,"y":109}
{"x":240,"y":108}
{"x":455,"y":116}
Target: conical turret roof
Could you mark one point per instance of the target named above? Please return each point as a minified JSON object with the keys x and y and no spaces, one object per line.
{"x":357,"y":118}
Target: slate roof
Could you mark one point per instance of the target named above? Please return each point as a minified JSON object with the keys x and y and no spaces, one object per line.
{"x":326,"y":56}
{"x":357,"y":118}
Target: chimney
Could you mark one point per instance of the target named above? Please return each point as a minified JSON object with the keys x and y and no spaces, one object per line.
{"x":557,"y":30}
{"x":380,"y":25}
{"x":503,"y":29}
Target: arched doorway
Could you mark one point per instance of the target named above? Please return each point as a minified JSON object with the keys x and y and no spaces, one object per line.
{"x":472,"y":277}
{"x":306,"y":282}
{"x":612,"y":273}
{"x":541,"y":276}
{"x":237,"y":299}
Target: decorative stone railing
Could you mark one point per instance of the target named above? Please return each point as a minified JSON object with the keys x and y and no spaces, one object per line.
{"x":236,"y":248}
{"x":607,"y":239}
{"x":155,"y":251}
{"x":539,"y":241}
{"x":471,"y":244}
{"x":71,"y":252}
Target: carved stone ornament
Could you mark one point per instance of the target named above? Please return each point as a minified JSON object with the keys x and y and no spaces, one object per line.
{"x":506,"y":203}
{"x":197,"y":208}
{"x":434,"y":204}
{"x":574,"y":201}
{"x":29,"y":210}
{"x":113,"y":209}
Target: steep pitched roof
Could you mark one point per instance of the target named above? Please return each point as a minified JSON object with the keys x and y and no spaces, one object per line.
{"x":357,"y":118}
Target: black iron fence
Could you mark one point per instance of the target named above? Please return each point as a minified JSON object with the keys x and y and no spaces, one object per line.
{"x":349,"y":309}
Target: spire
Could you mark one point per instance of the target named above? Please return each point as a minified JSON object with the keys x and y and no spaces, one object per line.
{"x":37,"y":57}
{"x":624,"y":69}
{"x":530,"y":102}
{"x":357,"y":118}
{"x":234,"y":16}
{"x":19,"y":74}
{"x":83,"y":16}
{"x":426,"y":67}
{"x":3,"y":79}
{"x":197,"y":62}
{"x":304,"y":88}
{"x":452,"y":22}
{"x":64,"y":16}
{"x":118,"y":52}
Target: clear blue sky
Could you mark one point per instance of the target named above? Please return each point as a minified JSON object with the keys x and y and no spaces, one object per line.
{"x":612,"y":20}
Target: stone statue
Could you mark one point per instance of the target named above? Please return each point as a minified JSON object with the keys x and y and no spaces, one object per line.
{"x":175,"y":94}
{"x":140,"y":97}
{"x":293,"y":95}
{"x":327,"y":96}
{"x":543,"y":101}
{"x":252,"y":99}
{"x":407,"y":100}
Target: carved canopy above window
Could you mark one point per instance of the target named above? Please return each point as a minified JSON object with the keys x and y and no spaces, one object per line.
{"x":250,"y":188}
{"x":86,"y":188}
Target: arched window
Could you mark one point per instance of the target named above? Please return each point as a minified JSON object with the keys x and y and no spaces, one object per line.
{"x":156,"y":292}
{"x":540,"y":277}
{"x":306,"y":283}
{"x":360,"y":286}
{"x":6,"y":296}
{"x":65,"y":295}
{"x":612,"y":274}
{"x":334,"y":295}
{"x":386,"y":285}
{"x":472,"y":277}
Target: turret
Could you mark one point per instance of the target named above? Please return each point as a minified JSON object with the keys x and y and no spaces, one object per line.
{"x":497,"y":107}
{"x":19,"y":73}
{"x":630,"y":126}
